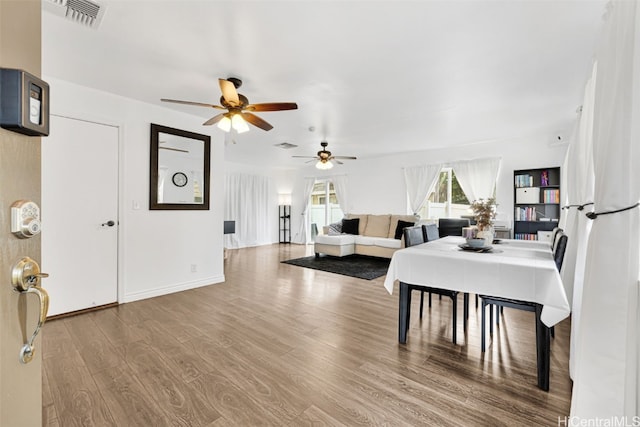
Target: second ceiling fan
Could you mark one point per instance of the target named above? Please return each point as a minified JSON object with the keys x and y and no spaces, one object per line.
{"x":239,"y":110}
{"x":324,"y":157}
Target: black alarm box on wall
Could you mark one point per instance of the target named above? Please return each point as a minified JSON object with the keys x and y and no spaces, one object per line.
{"x":24,"y":102}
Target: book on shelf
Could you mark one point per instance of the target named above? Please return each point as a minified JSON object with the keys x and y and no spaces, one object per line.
{"x":524,"y":180}
{"x":551,"y":196}
{"x":525,"y":214}
{"x":525,"y":236}
{"x":531,"y":214}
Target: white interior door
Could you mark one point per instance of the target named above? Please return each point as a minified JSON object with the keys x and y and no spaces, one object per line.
{"x":79,"y":202}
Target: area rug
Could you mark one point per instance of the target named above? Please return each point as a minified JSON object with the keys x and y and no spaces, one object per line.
{"x":360,"y":266}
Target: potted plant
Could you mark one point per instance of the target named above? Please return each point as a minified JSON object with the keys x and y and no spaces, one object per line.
{"x":484,"y":212}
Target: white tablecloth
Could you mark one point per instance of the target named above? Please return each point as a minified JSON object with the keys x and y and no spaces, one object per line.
{"x":516,"y":269}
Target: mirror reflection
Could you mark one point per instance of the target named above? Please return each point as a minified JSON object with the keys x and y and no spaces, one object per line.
{"x":179,"y":169}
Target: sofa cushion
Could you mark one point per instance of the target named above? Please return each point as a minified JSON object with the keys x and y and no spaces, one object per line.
{"x":342,"y":239}
{"x":400,"y":228}
{"x":334,"y":229}
{"x":350,"y":226}
{"x":366,"y":240}
{"x":363,"y":221}
{"x":393,"y":224}
{"x":377,"y":226}
{"x":383,"y":242}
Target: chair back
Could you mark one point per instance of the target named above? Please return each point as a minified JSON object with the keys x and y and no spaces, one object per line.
{"x":430,"y":232}
{"x":471,"y":218}
{"x":555,"y":234}
{"x":413,"y":236}
{"x":452,"y":226}
{"x":561,"y":247}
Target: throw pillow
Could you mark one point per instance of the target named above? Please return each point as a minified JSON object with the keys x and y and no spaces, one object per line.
{"x":350,"y":226}
{"x":335,"y":229}
{"x":401,"y":226}
{"x":377,"y":226}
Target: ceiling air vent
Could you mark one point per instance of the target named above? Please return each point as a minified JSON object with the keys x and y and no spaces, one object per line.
{"x":286,"y":145}
{"x":85,"y":12}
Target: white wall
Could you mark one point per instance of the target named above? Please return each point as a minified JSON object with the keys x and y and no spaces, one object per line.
{"x":156,"y":248}
{"x":376,"y":185}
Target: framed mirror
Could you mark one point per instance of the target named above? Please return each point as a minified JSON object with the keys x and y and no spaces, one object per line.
{"x":179,"y":169}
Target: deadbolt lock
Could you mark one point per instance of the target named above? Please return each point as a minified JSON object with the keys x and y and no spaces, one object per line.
{"x":25,"y":219}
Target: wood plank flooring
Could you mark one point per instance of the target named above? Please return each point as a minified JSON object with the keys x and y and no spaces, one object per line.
{"x":282,"y":345}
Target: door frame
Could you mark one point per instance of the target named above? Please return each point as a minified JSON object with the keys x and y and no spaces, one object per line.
{"x":90,"y":118}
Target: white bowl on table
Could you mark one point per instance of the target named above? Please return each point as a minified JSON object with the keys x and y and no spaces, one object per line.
{"x":476,"y":243}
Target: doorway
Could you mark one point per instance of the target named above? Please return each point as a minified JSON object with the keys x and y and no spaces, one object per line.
{"x":324,"y":206}
{"x":80,"y":214}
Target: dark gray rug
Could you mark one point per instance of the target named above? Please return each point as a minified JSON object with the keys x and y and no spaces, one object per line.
{"x":360,"y":266}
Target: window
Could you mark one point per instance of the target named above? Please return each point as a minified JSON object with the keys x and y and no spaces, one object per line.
{"x":447,"y":200}
{"x":324,"y":206}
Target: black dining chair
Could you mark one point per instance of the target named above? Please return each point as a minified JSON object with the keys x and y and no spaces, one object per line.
{"x":452,"y":226}
{"x":431,"y":233}
{"x":414,"y":236}
{"x":499,"y":302}
{"x":555,"y":234}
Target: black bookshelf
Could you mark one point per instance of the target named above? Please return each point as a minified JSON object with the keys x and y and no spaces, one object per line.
{"x":536,"y":196}
{"x":284,"y":214}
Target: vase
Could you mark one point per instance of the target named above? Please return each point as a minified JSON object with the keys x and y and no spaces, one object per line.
{"x":487,"y":234}
{"x":470,"y":232}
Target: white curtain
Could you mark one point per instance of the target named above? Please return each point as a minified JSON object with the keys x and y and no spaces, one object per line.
{"x":606,"y":374}
{"x":420,"y":181}
{"x":579,"y":190}
{"x":304,"y":203}
{"x":340,"y":185}
{"x":477,"y":178}
{"x":247,"y":203}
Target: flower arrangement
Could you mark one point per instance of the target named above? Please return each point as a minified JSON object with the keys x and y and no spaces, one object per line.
{"x":484,"y":211}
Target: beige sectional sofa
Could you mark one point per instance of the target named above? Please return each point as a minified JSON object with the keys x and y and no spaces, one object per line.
{"x":376,"y":237}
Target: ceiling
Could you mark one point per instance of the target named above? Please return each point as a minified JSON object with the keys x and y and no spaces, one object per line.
{"x":370,"y":77}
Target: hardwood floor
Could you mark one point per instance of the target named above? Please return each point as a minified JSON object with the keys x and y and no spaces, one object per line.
{"x":280,"y":345}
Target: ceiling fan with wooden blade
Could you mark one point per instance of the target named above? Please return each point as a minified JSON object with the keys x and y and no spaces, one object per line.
{"x":239,"y":110}
{"x":324,"y":157}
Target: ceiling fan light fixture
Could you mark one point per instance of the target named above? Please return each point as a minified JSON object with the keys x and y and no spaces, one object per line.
{"x":324,"y":165}
{"x":239,"y":124}
{"x":235,"y":103}
{"x":225,"y":124}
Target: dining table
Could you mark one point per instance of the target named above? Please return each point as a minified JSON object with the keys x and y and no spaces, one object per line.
{"x":522,"y":270}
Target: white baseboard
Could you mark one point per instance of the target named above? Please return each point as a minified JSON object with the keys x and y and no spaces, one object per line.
{"x":136,"y":296}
